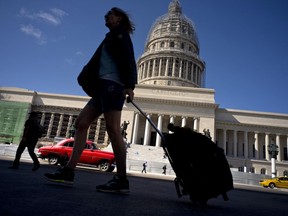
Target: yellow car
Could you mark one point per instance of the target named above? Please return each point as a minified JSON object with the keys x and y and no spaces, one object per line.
{"x":279,"y":182}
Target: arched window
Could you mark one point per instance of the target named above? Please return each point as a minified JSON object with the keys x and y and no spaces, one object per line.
{"x":177,"y":67}
{"x":263,"y":171}
{"x":241,"y":169}
{"x":156,"y":67}
{"x":172,"y":44}
{"x":150,"y":68}
{"x":163,"y":66}
{"x":252,"y":170}
{"x":285,"y":173}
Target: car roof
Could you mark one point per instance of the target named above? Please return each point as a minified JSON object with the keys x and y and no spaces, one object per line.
{"x":72,"y":140}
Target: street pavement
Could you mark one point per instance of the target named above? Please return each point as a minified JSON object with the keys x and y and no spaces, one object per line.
{"x":24,"y":192}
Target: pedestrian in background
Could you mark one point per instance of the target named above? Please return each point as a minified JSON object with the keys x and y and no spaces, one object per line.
{"x":32,"y":132}
{"x":164,"y":169}
{"x":144,"y":167}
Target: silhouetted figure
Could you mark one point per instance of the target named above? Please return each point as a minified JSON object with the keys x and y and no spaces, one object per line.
{"x":207,"y":133}
{"x":32,"y":132}
{"x":144,"y":167}
{"x":124,"y":128}
{"x":114,"y":70}
{"x":164,"y":169}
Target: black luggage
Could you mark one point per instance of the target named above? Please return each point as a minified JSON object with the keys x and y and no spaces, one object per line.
{"x":201,"y":168}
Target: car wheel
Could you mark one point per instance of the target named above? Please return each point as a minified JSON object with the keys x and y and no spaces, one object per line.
{"x":272,"y":185}
{"x":53,"y":160}
{"x":104,"y":166}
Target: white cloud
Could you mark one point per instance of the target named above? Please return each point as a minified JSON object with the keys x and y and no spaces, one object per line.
{"x":58,"y":12}
{"x":53,"y":16}
{"x":34,"y":32}
{"x":79,"y":53}
{"x":49,"y":18}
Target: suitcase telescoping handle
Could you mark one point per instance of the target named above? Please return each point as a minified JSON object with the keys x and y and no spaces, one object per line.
{"x":177,"y":181}
{"x":148,"y":119}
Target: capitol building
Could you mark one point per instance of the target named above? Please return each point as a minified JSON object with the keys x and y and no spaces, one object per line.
{"x":171,"y":88}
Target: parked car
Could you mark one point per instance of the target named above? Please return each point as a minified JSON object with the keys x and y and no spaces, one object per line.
{"x":91,"y":156}
{"x":279,"y":182}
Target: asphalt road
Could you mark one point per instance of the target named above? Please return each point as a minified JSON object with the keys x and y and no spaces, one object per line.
{"x":23,"y":192}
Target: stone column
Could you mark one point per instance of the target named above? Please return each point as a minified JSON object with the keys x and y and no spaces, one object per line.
{"x":279,"y":156}
{"x":186,"y":71}
{"x":159,"y":126}
{"x":246,"y":146}
{"x":171,"y":121}
{"x":106,"y":138}
{"x":153,"y":68}
{"x":135,"y":129}
{"x":59,"y":128}
{"x":144,"y":70}
{"x":180,"y":69}
{"x":266,"y":146}
{"x":160,"y":67}
{"x":256,"y":145}
{"x":235,"y":147}
{"x":196,"y":75}
{"x":69,"y":126}
{"x":195,"y":124}
{"x":224,"y":141}
{"x":173,"y":67}
{"x":166,"y":67}
{"x":287,"y":144}
{"x":42,"y":119}
{"x":148,"y":69}
{"x":50,"y":125}
{"x":183,"y":123}
{"x":147,"y":132}
{"x":97,"y":130}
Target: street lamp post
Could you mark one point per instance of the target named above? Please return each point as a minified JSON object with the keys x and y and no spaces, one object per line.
{"x":273,"y":152}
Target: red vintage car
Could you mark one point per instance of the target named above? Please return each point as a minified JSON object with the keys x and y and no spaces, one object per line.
{"x":91,"y":156}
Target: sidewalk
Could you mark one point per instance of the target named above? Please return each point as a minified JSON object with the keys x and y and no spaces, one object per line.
{"x":9,"y":150}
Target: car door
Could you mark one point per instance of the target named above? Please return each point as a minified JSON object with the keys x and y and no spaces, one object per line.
{"x":281,"y":182}
{"x":68,"y":148}
{"x":285,"y":182}
{"x":87,"y":154}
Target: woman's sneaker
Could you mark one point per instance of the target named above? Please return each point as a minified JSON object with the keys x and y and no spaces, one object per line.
{"x":63,"y":175}
{"x":116,"y":185}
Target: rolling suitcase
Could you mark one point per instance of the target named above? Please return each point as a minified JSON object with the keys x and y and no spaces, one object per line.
{"x":201,"y":168}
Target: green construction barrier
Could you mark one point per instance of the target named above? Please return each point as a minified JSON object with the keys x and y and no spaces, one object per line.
{"x":12,"y":119}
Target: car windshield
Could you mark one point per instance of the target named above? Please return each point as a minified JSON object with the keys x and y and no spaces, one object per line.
{"x":69,"y":144}
{"x":94,"y":146}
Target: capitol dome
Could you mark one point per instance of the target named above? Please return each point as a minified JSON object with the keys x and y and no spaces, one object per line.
{"x":171,"y":55}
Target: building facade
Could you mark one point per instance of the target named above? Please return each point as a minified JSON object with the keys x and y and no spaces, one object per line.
{"x":171,"y":89}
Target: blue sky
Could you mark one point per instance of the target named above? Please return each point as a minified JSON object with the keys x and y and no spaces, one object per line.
{"x":44,"y":45}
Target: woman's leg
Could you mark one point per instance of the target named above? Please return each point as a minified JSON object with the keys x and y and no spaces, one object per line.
{"x":20,"y":150}
{"x":112,"y":120}
{"x":85,"y":118}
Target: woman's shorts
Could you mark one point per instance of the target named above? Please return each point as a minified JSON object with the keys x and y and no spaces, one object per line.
{"x":109,"y":97}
